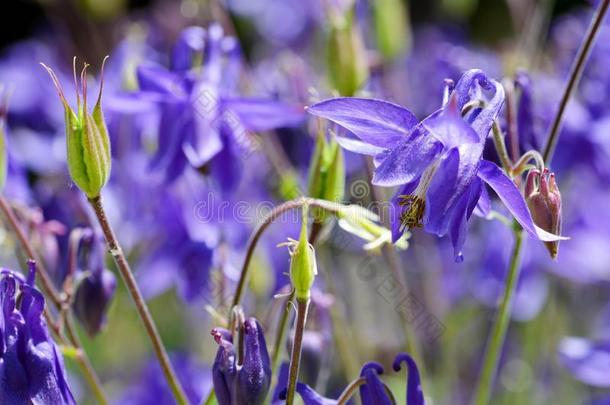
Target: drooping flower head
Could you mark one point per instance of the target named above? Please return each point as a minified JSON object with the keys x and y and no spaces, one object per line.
{"x":241,"y":381}
{"x":437,"y":163}
{"x":96,"y":284}
{"x":372,"y":389}
{"x":31,"y":365}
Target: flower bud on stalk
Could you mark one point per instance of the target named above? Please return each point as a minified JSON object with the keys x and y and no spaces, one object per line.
{"x":544,"y":201}
{"x":88,"y":145}
{"x":303,"y":268}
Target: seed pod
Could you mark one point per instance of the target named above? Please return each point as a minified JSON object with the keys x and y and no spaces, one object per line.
{"x":544,"y":201}
{"x":88,"y":145}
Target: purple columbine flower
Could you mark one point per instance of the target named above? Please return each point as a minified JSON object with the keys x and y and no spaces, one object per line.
{"x":437,"y":163}
{"x":246,"y":381}
{"x":31,"y":365}
{"x":373,"y":391}
{"x":96,"y":288}
{"x":202,"y":123}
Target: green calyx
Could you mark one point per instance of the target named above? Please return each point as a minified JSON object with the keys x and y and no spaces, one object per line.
{"x":88,"y":145}
{"x":303,"y":268}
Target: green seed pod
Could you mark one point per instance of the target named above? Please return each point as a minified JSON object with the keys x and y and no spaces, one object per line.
{"x":391,"y":30}
{"x":88,"y":145}
{"x":303,"y":268}
{"x":346,"y":55}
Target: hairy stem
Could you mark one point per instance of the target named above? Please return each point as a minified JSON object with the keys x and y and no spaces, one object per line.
{"x":138,"y":299}
{"x":295,"y":358}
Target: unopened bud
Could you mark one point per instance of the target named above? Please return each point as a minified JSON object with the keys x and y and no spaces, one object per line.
{"x":303,"y":268}
{"x":544,"y":201}
{"x":87,"y":139}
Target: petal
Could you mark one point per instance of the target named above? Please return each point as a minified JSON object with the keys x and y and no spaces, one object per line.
{"x":159,"y":80}
{"x":373,"y":391}
{"x":190,"y":42}
{"x":408,"y":160}
{"x":513,"y":200}
{"x":376,"y":122}
{"x":263,"y":115}
{"x":483,"y":207}
{"x":356,"y":146}
{"x":588,"y":361}
{"x":415,"y":395}
{"x":449,"y":127}
{"x":254,"y":377}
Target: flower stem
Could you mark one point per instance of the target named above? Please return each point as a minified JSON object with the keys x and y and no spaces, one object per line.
{"x":279,"y":334}
{"x":349,"y":390}
{"x":295,"y":358}
{"x":501,"y":148}
{"x":136,"y":295}
{"x":268,"y":220}
{"x":500,"y":327}
{"x":83,"y":360}
{"x":574,"y":78}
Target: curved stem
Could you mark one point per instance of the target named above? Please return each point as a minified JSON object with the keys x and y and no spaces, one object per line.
{"x":50,"y":291}
{"x":273,"y":215}
{"x":295,"y":358}
{"x":349,"y":391}
{"x":500,"y":327}
{"x":136,"y":296}
{"x":574,"y":78}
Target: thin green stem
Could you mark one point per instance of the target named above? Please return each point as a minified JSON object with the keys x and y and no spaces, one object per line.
{"x":279,"y":335}
{"x":500,"y":327}
{"x":295,"y":358}
{"x":501,"y":147}
{"x":138,"y":299}
{"x":82,"y":360}
{"x":574,"y":78}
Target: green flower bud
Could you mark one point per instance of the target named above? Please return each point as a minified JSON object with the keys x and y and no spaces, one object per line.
{"x":391,"y":31}
{"x":326,"y":174}
{"x":303,"y":267}
{"x":346,"y":55}
{"x":87,"y":139}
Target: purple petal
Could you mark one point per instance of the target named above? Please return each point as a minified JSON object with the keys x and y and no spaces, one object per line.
{"x":449,"y":127}
{"x":415,"y":395}
{"x":408,"y":160}
{"x":510,"y":195}
{"x":190,"y":42}
{"x":376,"y":122}
{"x":356,"y":146}
{"x":588,"y":361}
{"x":263,"y":115}
{"x":159,"y":80}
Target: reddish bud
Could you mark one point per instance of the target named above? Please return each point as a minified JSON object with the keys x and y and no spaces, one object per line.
{"x":544,"y":201}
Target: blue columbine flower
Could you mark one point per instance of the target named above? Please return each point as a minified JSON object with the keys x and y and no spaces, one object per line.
{"x":202,"y":122}
{"x":246,"y":381}
{"x":373,"y":390}
{"x":31,"y":366}
{"x":438,"y":162}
